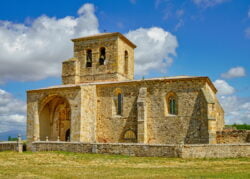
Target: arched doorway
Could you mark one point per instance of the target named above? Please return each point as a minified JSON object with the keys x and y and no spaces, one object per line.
{"x":54,"y":119}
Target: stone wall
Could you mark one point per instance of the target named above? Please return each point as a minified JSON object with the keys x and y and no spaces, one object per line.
{"x":11,"y":146}
{"x":190,"y":125}
{"x":122,"y":65}
{"x":8,"y":146}
{"x":87,"y":119}
{"x":94,"y":118}
{"x":117,"y":149}
{"x":182,"y":151}
{"x":230,"y":136}
{"x":110,"y":126}
{"x":216,"y":151}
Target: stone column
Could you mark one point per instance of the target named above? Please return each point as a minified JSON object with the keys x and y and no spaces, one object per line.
{"x":87,"y":121}
{"x":75,"y":123}
{"x":33,"y":132}
{"x":36,"y":122}
{"x":212,"y":131}
{"x":142,"y":116}
{"x":19,"y":144}
{"x":211,"y":124}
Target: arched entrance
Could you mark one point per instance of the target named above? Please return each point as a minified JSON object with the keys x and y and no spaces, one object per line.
{"x":54,"y":119}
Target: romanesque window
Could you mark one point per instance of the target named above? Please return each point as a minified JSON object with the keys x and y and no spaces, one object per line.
{"x":89,"y":58}
{"x":119,"y":104}
{"x":172,"y":103}
{"x":126,"y":62}
{"x":130,"y":136}
{"x":102,"y":56}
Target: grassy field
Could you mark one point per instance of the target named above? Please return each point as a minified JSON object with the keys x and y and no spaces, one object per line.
{"x":72,"y":165}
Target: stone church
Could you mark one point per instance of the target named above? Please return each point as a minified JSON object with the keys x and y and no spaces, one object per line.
{"x":101,"y":102}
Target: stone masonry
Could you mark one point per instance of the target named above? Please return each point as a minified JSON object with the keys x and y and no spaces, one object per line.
{"x":149,"y":150}
{"x":100,"y":102}
{"x":232,"y":136}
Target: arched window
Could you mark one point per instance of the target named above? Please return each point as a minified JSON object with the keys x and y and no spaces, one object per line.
{"x":126,"y":62}
{"x":89,"y":58}
{"x":130,"y":136}
{"x":119,"y":104}
{"x":172,"y":103}
{"x":102,"y":56}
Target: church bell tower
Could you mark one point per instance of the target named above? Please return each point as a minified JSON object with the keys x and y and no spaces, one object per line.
{"x":102,"y":57}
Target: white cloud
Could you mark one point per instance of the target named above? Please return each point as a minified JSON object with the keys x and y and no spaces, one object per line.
{"x":247,"y":32}
{"x":180,"y":13}
{"x":133,"y":1}
{"x":120,"y":25}
{"x":235,"y":72}
{"x":179,"y":24}
{"x":237,"y":110}
{"x":35,"y":51}
{"x":155,"y":46}
{"x":12,"y":112}
{"x":208,"y":3}
{"x":223,"y":87}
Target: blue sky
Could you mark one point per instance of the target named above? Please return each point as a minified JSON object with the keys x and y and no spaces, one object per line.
{"x":201,"y":38}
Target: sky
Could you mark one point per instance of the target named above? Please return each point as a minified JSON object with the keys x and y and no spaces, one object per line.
{"x":173,"y":37}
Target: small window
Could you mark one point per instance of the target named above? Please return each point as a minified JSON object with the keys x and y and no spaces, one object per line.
{"x":171,"y":101}
{"x":126,"y":62}
{"x":89,"y":58}
{"x":172,"y":105}
{"x":130,"y":135}
{"x":119,"y":104}
{"x":102,"y":57}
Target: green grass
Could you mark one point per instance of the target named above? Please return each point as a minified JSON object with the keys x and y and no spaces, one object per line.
{"x":75,"y":165}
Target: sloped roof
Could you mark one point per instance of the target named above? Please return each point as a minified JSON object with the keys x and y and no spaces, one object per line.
{"x":104,"y":35}
{"x":173,"y":78}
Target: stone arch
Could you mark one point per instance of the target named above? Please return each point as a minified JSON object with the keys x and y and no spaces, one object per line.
{"x":89,"y":58}
{"x":130,"y":135}
{"x":102,"y":55}
{"x":54,"y":117}
{"x":126,"y":58}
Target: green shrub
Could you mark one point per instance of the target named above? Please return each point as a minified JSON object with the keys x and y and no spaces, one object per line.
{"x":242,"y":126}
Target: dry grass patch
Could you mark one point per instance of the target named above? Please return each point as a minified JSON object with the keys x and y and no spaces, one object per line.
{"x":74,"y":165}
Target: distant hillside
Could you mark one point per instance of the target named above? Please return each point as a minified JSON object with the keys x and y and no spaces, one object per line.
{"x":239,"y":126}
{"x":4,"y":135}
